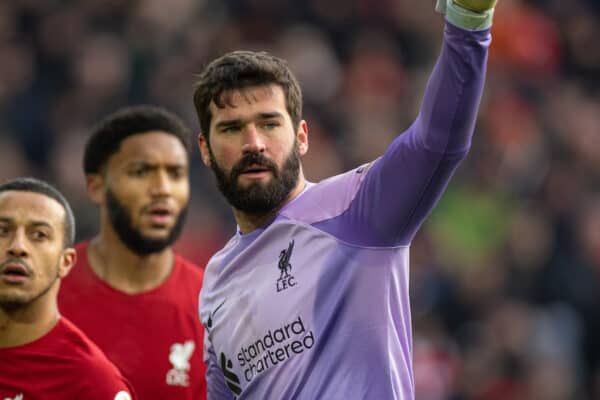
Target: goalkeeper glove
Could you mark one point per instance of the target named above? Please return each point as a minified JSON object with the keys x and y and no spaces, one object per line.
{"x":476,"y":5}
{"x":468,"y":14}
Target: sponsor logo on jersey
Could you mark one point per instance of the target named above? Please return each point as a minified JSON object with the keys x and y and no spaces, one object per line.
{"x":275,"y":347}
{"x":286,"y":279}
{"x":180,"y":358}
{"x":17,"y":397}
{"x":231,"y":378}
{"x":271,"y":349}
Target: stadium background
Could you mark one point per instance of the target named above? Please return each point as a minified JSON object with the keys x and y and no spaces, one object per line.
{"x":505,"y":274}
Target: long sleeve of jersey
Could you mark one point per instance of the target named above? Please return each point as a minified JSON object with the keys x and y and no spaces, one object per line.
{"x":399,"y":189}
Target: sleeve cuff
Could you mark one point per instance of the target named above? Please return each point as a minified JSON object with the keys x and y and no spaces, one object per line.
{"x":463,"y":18}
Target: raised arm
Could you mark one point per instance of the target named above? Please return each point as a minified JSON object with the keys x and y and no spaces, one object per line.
{"x":400,"y":188}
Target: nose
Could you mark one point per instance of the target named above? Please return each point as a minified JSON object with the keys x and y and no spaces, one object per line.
{"x":254,"y":142}
{"x":18,"y":245}
{"x":161,"y":185}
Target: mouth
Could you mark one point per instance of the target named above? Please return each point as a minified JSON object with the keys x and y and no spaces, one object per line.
{"x":256,"y":171}
{"x":160,"y":215}
{"x":14,"y":272}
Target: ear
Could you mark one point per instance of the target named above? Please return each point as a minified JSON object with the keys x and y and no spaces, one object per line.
{"x":94,"y":184}
{"x":204,"y":152}
{"x":67,"y":261}
{"x":302,"y":136}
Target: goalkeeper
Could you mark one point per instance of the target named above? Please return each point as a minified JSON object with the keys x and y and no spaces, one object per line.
{"x":309,"y":299}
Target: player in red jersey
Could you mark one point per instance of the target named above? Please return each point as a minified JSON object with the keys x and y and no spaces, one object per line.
{"x":129,"y":292}
{"x":43,"y":356}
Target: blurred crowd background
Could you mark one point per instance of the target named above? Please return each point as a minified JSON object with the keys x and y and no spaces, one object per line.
{"x":505,"y":274}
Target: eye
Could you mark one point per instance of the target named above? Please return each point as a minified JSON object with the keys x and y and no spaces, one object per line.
{"x":3,"y":230}
{"x":231,"y":129}
{"x":139,"y":172}
{"x":39,"y":235}
{"x":269,"y":125}
{"x":176,"y":173}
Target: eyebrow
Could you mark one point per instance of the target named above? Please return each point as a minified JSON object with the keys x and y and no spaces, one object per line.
{"x":238,"y":121}
{"x":41,"y":224}
{"x":153,"y":165}
{"x":270,"y":115}
{"x":35,"y":223}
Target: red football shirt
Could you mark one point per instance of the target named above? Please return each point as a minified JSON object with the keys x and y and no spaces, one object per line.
{"x":155,"y":338}
{"x":63,"y":364}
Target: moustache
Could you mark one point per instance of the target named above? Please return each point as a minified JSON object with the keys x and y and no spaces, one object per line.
{"x":19,"y":261}
{"x":253,"y":159}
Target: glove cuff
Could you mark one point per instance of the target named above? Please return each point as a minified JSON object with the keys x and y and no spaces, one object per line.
{"x":464,"y":18}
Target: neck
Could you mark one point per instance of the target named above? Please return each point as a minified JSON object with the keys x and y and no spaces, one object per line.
{"x":125,"y":270}
{"x":29,"y":323}
{"x":250,"y":222}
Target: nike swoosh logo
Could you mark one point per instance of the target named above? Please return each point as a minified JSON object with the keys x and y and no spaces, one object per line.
{"x":211,"y":315}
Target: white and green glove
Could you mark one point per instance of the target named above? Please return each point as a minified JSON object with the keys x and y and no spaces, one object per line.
{"x":476,"y":5}
{"x":468,"y":14}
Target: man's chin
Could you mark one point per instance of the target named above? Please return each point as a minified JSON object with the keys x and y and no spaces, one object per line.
{"x":154,"y":234}
{"x":13,"y":302}
{"x":248,"y":183}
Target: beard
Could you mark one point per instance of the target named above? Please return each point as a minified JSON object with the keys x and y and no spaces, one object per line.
{"x":135,"y":241}
{"x":11,"y":304}
{"x":258,"y":199}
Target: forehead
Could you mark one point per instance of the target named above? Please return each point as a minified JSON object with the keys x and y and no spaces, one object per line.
{"x":25,"y":207}
{"x":247,"y":101}
{"x":151,"y":147}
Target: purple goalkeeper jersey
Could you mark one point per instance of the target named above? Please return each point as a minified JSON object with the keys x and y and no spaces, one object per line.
{"x":315,"y":305}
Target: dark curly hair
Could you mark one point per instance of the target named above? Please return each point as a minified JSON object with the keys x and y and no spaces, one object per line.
{"x":241,"y":69}
{"x":107,"y":136}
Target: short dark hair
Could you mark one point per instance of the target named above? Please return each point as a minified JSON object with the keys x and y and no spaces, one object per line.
{"x":241,"y":69}
{"x":107,"y":136}
{"x":28,"y":184}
